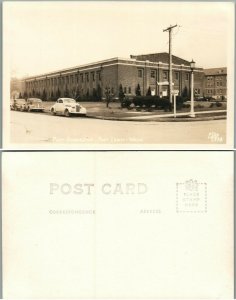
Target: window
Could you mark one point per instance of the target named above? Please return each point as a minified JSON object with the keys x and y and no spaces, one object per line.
{"x":82,"y":77}
{"x":153,"y":74}
{"x":177,"y":76}
{"x":220,"y":91}
{"x":125,"y":90}
{"x":67,"y":79}
{"x":93,"y":76}
{"x":129,"y":90}
{"x":87,"y":77}
{"x":187,"y":76}
{"x":99,"y":75}
{"x":217,"y":83}
{"x":72,"y":79}
{"x":140,"y":73}
{"x":165,"y":75}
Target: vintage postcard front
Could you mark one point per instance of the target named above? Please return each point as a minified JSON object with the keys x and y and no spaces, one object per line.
{"x":118,"y":75}
{"x":118,"y":225}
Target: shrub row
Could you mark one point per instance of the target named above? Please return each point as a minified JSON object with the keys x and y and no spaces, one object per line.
{"x":152,"y":101}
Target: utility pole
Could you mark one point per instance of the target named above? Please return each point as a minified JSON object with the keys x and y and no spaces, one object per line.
{"x":169,"y":29}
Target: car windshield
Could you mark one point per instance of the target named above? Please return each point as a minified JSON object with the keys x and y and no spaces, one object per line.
{"x":69,"y":101}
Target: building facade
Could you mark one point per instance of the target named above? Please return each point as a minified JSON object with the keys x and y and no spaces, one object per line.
{"x":149,"y":72}
{"x":215,"y":83}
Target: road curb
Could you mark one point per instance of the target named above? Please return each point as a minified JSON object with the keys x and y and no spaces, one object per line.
{"x":169,"y":119}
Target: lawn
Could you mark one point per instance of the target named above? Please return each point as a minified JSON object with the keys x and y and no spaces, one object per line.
{"x":99,"y":109}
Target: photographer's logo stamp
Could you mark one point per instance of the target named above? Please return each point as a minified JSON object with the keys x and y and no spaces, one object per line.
{"x":191,"y":196}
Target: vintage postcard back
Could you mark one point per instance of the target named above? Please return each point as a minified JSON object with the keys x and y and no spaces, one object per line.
{"x":118,"y":225}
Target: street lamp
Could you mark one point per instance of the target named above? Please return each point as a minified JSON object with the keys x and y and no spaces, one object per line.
{"x":192,"y":66}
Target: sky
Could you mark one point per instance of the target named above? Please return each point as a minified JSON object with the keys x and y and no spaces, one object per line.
{"x":40,"y":37}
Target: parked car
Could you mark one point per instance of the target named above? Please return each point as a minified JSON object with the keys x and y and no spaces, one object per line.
{"x":12,"y":103}
{"x":68,"y":107}
{"x":19,"y":104}
{"x":34,"y":104}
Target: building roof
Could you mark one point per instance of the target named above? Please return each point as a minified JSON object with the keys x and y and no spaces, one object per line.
{"x":215,"y":71}
{"x":160,"y":57}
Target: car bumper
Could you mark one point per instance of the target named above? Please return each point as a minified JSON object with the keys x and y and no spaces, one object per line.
{"x":81,"y":112}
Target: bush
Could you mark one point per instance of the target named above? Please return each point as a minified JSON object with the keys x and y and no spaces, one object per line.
{"x":219,"y":104}
{"x":152,"y":101}
{"x":186,"y":105}
{"x":211,"y":105}
{"x":126,"y":102}
{"x":200,"y":106}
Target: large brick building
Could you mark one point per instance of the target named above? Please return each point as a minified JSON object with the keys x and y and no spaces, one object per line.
{"x":215,"y":83}
{"x":93,"y":79}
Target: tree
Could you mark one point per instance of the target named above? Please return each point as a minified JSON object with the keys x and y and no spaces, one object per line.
{"x":87,"y":94}
{"x":25,"y":95}
{"x":185,"y":92}
{"x":94,"y":94}
{"x":121,"y":93}
{"x":58,"y":94}
{"x":99,"y":92}
{"x":66,"y":92}
{"x":107,"y":95}
{"x":149,"y":92}
{"x":138,"y":90}
{"x":77,"y":93}
{"x":44,"y":95}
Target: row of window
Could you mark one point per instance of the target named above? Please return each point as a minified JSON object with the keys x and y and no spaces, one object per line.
{"x":217,"y":84}
{"x":127,"y":90}
{"x":165,"y":74}
{"x":84,"y":77}
{"x":210,"y":78}
{"x":214,"y":91}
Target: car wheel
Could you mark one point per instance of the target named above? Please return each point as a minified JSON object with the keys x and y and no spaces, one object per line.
{"x":21,"y":108}
{"x":28,"y":109}
{"x":53,"y":112}
{"x":67,"y":113}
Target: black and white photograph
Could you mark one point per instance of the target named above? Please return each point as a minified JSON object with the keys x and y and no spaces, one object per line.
{"x":138,"y":74}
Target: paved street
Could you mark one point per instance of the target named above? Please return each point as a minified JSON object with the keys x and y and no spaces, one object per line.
{"x":44,"y":128}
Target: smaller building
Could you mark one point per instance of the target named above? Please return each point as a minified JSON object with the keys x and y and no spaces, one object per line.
{"x":215,"y":83}
{"x":17,"y":86}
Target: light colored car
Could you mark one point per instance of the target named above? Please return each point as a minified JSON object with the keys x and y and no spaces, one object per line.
{"x":34,"y":104}
{"x":68,"y":107}
{"x":12,"y":104}
{"x":19,"y":104}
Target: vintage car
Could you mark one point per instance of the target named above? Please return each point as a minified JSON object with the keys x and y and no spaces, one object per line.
{"x":12,"y":103}
{"x":68,"y":107}
{"x":18,"y":104}
{"x":34,"y":104}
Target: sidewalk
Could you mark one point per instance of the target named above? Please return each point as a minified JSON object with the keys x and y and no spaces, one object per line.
{"x":177,"y":115}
